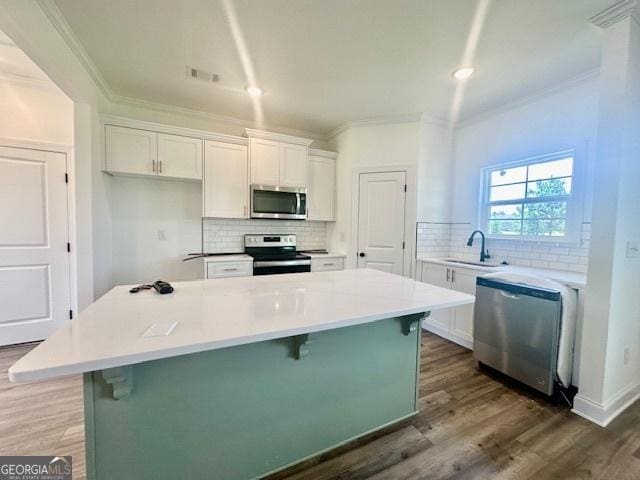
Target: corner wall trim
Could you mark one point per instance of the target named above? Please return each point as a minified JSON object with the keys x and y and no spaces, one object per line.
{"x":603,"y":414}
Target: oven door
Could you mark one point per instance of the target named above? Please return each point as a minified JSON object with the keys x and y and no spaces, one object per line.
{"x":278,"y":202}
{"x":273,"y":267}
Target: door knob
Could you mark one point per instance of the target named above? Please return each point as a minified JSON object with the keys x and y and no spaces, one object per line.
{"x":362,"y":254}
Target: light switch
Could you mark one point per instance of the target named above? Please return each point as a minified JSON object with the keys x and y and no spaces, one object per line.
{"x":162,"y":235}
{"x":633,"y":249}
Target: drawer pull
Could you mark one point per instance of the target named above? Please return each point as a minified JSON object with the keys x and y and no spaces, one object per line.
{"x":329,"y":264}
{"x":229,"y":269}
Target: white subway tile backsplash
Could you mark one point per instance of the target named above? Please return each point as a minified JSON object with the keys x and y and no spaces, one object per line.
{"x":227,"y":235}
{"x":450,"y":240}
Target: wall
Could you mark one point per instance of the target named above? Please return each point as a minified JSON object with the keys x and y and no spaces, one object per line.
{"x":35,"y":112}
{"x":227,"y":235}
{"x":155,"y":224}
{"x":368,"y":146}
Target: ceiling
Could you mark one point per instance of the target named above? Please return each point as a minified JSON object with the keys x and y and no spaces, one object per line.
{"x":322,"y":63}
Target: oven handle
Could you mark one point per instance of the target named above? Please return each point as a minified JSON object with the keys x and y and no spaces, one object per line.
{"x":280,"y":263}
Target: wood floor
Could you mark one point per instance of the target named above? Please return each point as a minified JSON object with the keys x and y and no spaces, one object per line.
{"x":472,"y":425}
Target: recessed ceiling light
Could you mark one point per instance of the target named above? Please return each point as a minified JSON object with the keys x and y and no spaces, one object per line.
{"x":253,"y":91}
{"x":462,"y":73}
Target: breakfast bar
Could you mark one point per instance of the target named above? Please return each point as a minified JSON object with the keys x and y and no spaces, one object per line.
{"x":238,"y":378}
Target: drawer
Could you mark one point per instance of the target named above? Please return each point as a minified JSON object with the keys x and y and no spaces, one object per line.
{"x":327,"y":264}
{"x":229,"y":269}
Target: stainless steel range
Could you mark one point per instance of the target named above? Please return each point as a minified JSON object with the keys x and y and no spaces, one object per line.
{"x":273,"y":254}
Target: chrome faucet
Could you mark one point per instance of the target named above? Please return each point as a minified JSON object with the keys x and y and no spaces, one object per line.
{"x":484,"y":254}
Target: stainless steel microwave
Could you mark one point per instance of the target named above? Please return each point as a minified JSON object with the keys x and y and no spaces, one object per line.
{"x":286,"y":203}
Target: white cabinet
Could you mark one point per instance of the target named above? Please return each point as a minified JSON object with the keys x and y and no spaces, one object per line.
{"x":293,"y":165}
{"x":277,"y":160}
{"x":321,"y":191}
{"x":265,"y":162}
{"x":225,"y":182}
{"x":128,"y":150}
{"x":327,"y":263}
{"x":179,"y":157}
{"x":224,"y":267}
{"x":142,"y":152}
{"x":455,"y":324}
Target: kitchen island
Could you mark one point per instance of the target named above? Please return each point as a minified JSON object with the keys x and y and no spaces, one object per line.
{"x":238,"y":378}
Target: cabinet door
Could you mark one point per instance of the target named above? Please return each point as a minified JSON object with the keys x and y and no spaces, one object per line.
{"x":179,"y":157}
{"x":225,"y":183}
{"x":293,"y":165}
{"x":128,"y":150}
{"x":439,"y":276}
{"x":265,"y":162}
{"x":321,"y":195}
{"x":462,"y":317}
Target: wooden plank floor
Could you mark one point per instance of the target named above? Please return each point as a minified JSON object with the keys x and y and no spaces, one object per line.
{"x":472,"y":425}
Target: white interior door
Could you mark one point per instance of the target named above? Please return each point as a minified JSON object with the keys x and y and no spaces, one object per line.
{"x":381,"y":213}
{"x":34,"y":262}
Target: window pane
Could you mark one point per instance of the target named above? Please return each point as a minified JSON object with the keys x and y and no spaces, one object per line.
{"x":555,"y":169}
{"x":547,"y":228}
{"x":546,"y":210}
{"x":509,"y":175}
{"x":507,"y":192}
{"x":506,"y":211}
{"x":505,"y":227}
{"x":549,"y":188}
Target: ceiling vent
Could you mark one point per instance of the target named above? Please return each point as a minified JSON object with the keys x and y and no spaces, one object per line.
{"x":203,"y":76}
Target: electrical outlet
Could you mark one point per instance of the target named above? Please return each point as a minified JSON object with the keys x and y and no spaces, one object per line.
{"x":633,"y":249}
{"x":626,"y":355}
{"x":162,"y":235}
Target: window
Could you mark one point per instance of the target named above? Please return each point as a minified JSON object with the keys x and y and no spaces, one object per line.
{"x":532,"y":199}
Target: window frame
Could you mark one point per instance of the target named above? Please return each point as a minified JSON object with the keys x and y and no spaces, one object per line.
{"x":574,"y":200}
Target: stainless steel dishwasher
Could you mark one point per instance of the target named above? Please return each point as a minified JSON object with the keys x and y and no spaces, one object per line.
{"x":516,"y":331}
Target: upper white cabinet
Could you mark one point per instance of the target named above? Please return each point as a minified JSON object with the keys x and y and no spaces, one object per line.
{"x":321,"y":186}
{"x":226,"y":180}
{"x":142,"y":152}
{"x":179,"y":157}
{"x":277,"y":160}
{"x":455,"y":324}
{"x":265,"y":162}
{"x":128,"y":150}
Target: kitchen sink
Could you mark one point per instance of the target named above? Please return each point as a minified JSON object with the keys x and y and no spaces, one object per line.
{"x":475,"y":264}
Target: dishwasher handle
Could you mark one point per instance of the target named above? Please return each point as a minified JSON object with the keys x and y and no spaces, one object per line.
{"x":512,"y":296}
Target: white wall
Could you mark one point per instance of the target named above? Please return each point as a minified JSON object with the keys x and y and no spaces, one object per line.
{"x":367,"y":146}
{"x":563,"y":120}
{"x":35,"y":112}
{"x":143,"y":206}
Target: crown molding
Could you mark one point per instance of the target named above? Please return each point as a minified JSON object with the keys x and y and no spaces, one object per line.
{"x":529,"y":99}
{"x":58,"y":21}
{"x":380,"y":120}
{"x":316,"y":152}
{"x":277,"y":137}
{"x":615,"y":13}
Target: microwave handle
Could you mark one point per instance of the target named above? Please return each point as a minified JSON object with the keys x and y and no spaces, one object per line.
{"x":297,"y":203}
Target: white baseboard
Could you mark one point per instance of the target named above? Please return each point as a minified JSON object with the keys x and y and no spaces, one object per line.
{"x":448,"y":336}
{"x":603,"y":413}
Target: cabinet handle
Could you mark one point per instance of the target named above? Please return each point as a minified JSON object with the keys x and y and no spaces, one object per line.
{"x":153,"y":164}
{"x":160,"y":163}
{"x":447,"y":274}
{"x":229,"y":269}
{"x":328,"y":264}
{"x":453,"y":275}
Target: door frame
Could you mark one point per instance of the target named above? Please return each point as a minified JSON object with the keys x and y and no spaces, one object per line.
{"x":410,"y":212}
{"x":66,"y":150}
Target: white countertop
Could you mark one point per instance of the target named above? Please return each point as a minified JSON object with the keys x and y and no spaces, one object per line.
{"x":326,"y":255}
{"x":571,"y":279}
{"x":220,"y":313}
{"x":239,"y":257}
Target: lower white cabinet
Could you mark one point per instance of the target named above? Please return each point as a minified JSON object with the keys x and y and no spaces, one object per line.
{"x":455,"y":324}
{"x":221,"y":268}
{"x":226,"y":180}
{"x":327,"y":263}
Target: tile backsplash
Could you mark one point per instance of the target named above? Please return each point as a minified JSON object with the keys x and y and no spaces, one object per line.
{"x":227,"y":236}
{"x":450,"y":240}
